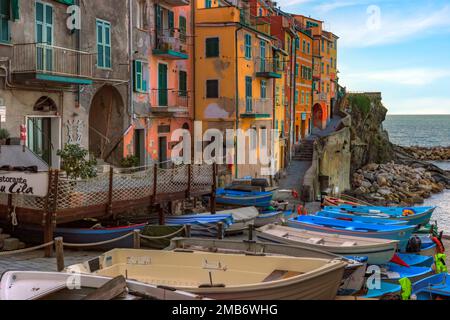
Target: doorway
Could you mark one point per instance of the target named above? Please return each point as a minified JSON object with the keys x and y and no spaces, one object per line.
{"x":162,"y":152}
{"x":139,"y":146}
{"x":39,"y":138}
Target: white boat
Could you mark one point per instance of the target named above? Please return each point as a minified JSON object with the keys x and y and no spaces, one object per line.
{"x":31,"y":285}
{"x":243,"y":217}
{"x":378,"y":251}
{"x":269,"y":218}
{"x":225,"y":276}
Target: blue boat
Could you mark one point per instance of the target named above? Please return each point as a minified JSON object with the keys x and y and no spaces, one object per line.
{"x":202,"y":225}
{"x":386,"y":288}
{"x":363,"y":219}
{"x":355,"y":229}
{"x":421,"y":216}
{"x":416,"y":260}
{"x":432,"y":287}
{"x":393,"y":273}
{"x":244,"y":199}
{"x":428,"y":246}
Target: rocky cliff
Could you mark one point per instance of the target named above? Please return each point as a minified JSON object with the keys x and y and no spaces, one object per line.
{"x":370,"y":142}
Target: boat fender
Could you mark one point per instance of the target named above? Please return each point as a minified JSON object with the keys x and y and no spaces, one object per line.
{"x":441,"y":267}
{"x":440,"y":246}
{"x":406,"y":288}
{"x":408,"y":212}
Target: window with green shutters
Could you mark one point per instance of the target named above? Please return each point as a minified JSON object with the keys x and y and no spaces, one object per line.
{"x":248,"y":46}
{"x":103,"y":44}
{"x":171,"y":22}
{"x":5,"y":10}
{"x":296,"y":96}
{"x":212,"y":47}
{"x":263,"y":89}
{"x":182,"y":27}
{"x":208,"y":3}
{"x":140,"y":76}
{"x":182,"y":83}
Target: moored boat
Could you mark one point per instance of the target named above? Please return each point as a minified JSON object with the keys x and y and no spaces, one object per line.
{"x":384,"y":289}
{"x":393,"y":273}
{"x":416,"y":216}
{"x":364,"y":219}
{"x":33,"y":285}
{"x":378,"y":251}
{"x":356,"y":229}
{"x":225,"y":276}
{"x":243,"y":199}
{"x":432,"y":287}
{"x":264,"y":219}
{"x":416,"y":260}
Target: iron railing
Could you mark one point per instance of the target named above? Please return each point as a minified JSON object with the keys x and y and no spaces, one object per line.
{"x":53,"y":60}
{"x":171,"y":99}
{"x":171,"y":39}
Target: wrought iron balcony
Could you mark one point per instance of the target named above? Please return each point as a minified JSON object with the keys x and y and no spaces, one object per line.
{"x":169,"y":101}
{"x":177,"y":3}
{"x":256,"y":108}
{"x":47,"y":63}
{"x":320,"y":97}
{"x":269,"y":68}
{"x":171,"y":44}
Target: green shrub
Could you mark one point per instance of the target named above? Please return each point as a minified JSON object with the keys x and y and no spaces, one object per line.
{"x":74,"y":162}
{"x":129,"y":162}
{"x":4,"y":134}
{"x":360,"y":101}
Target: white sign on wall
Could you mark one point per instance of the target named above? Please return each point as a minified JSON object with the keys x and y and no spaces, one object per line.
{"x":3,"y":113}
{"x":21,"y":183}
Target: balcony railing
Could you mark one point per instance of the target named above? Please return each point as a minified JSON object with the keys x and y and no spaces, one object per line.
{"x":44,"y":59}
{"x":168,"y":100}
{"x":321,"y":97}
{"x":256,"y":108}
{"x":171,"y":44}
{"x":269,"y":68}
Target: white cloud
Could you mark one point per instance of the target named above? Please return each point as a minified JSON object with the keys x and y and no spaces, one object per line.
{"x":408,"y":77}
{"x":290,"y":3}
{"x":327,"y":7}
{"x":392,"y":28}
{"x":424,"y":105}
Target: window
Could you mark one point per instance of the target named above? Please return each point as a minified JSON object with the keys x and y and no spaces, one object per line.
{"x":296,"y":69}
{"x":248,"y":46}
{"x":182,"y":84}
{"x":171,"y":22}
{"x":140,"y":76}
{"x":323,"y":67}
{"x":182,"y":28}
{"x":304,"y":46}
{"x":212,"y":89}
{"x":307,"y":98}
{"x":328,"y":87}
{"x":208,"y":3}
{"x":323,"y":45}
{"x":260,"y":12}
{"x":248,"y":94}
{"x":263,"y":132}
{"x":297,"y":43}
{"x":212,"y":47}
{"x":103,"y":44}
{"x":328,"y":69}
{"x":332,"y":63}
{"x":296,"y":96}
{"x":141,"y":14}
{"x":4,"y":20}
{"x":263,"y":89}
{"x":303,"y":97}
{"x":309,"y":48}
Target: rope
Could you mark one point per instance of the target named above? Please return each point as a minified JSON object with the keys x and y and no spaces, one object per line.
{"x":14,"y":220}
{"x":163,"y":237}
{"x":84,"y":245}
{"x":42,"y":246}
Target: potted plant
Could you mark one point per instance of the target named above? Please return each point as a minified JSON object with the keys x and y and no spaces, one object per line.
{"x":4,"y":135}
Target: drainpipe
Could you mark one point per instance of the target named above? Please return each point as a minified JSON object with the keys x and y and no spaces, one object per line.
{"x":193,"y":72}
{"x":237,"y":99}
{"x":294,"y":84}
{"x":130,"y":67}
{"x":78,"y":41}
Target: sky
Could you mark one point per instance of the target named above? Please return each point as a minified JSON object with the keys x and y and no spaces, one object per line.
{"x":398,"y":47}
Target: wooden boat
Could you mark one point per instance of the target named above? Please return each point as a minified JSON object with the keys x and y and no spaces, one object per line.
{"x":432,"y":287}
{"x":385,"y":288}
{"x":378,"y":251}
{"x":364,"y":219}
{"x":416,"y":260}
{"x":421,"y":215}
{"x":393,"y":273}
{"x":356,"y":229}
{"x":264,"y":219}
{"x":428,"y":246}
{"x":31,"y":285}
{"x":225,"y":276}
{"x":242,"y":199}
{"x":353,"y":278}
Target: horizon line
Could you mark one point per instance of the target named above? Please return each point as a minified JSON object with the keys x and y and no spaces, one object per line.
{"x":418,"y":114}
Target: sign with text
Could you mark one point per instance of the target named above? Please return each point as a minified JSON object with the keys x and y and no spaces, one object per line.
{"x":22,"y":183}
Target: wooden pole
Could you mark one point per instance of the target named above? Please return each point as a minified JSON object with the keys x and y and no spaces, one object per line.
{"x":188,"y":191}
{"x":251,"y":229}
{"x":47,"y":219}
{"x":188,"y":231}
{"x":109,"y":209}
{"x":162,"y":218}
{"x":220,"y":231}
{"x":214,"y":190}
{"x":10,"y":206}
{"x":59,"y":248}
{"x":137,"y":239}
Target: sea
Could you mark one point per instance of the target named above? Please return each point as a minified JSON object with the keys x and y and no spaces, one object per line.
{"x":425,"y":131}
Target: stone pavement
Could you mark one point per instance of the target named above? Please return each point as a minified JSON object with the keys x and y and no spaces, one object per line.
{"x":35,"y":261}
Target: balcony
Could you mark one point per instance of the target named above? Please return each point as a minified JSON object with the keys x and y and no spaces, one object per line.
{"x":166,"y":102}
{"x":38,"y":62}
{"x":255,"y":108}
{"x":269,"y":68}
{"x":321,"y":97}
{"x":172,"y":45}
{"x":177,"y":3}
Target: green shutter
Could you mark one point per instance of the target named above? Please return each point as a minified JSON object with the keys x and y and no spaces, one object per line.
{"x":182,"y":27}
{"x":158,"y":18}
{"x":170,"y":18}
{"x":15,"y":10}
{"x":183,"y":83}
{"x":212,"y":47}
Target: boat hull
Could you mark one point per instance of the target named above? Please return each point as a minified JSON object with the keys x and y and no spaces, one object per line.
{"x":437,"y":285}
{"x":269,"y":218}
{"x":244,"y":199}
{"x":378,"y":253}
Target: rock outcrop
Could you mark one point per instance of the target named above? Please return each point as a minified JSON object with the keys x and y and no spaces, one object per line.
{"x":428,"y":154}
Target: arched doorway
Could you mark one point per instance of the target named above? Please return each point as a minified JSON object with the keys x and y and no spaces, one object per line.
{"x":106,"y":118}
{"x":318,"y":115}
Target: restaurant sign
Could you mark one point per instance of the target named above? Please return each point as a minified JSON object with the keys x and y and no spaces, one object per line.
{"x":21,"y":183}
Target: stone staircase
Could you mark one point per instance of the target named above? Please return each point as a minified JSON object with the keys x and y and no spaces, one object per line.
{"x":304,"y":151}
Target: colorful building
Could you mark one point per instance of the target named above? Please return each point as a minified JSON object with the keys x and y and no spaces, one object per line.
{"x":303,"y":82}
{"x":234,"y":77}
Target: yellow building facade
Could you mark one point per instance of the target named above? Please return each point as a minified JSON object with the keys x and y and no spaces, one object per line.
{"x":234,"y":80}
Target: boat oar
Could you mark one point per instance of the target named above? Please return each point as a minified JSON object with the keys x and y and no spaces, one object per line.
{"x":110,"y":290}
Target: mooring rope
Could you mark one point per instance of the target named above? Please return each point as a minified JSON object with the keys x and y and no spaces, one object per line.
{"x":96,"y":244}
{"x":163,"y":237}
{"x":42,"y":246}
